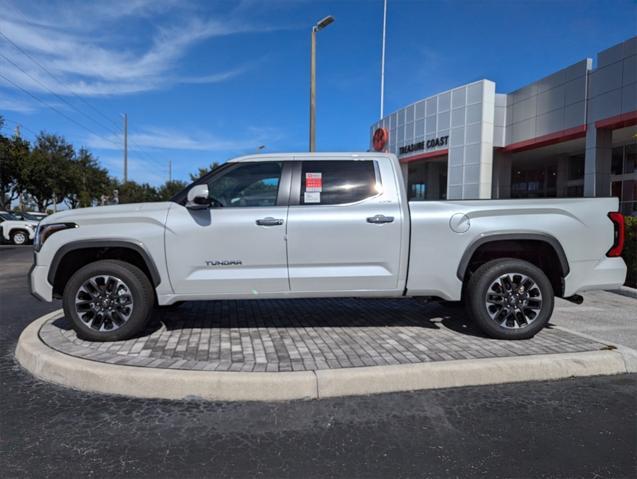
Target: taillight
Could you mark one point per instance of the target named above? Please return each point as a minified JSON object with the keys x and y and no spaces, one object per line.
{"x":618,"y":238}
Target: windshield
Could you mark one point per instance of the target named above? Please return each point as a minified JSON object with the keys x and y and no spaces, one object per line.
{"x":33,"y":216}
{"x":5,"y":215}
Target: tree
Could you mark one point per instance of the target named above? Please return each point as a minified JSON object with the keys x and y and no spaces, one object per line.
{"x":132,"y":192}
{"x":47,"y":171}
{"x":170,"y":189}
{"x":204,"y":171}
{"x":88,"y":180}
{"x":13,"y":152}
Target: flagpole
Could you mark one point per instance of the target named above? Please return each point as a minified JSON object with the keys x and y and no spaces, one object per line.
{"x":382,"y":62}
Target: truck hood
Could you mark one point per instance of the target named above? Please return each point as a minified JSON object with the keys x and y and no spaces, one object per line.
{"x":109,"y":213}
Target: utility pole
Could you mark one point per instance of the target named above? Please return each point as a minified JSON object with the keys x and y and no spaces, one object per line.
{"x":313,"y":92}
{"x":17,"y":130}
{"x":125,"y":148}
{"x":382,"y":63}
{"x":170,"y":171}
{"x":315,"y":28}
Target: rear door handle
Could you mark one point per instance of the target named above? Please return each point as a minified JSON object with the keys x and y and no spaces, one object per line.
{"x":380,"y":219}
{"x":269,"y":221}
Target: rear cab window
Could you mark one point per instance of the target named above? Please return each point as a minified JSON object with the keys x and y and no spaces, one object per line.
{"x":338,"y":182}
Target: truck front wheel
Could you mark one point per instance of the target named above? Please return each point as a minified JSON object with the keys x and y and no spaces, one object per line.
{"x":19,"y":237}
{"x":509,"y":299}
{"x":108,"y":300}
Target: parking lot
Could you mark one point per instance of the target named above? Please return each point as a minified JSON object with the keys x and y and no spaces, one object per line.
{"x":573,"y":427}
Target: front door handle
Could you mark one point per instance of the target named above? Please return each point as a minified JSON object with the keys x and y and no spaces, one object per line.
{"x":269,"y":221}
{"x":380,"y":219}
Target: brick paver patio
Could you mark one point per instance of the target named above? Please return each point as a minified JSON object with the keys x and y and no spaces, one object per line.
{"x":306,"y":334}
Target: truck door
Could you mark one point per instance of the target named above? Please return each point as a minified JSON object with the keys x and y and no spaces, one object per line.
{"x":237,"y":246}
{"x":345,"y":227}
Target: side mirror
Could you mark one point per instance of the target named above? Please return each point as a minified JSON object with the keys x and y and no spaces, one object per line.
{"x":197,"y":198}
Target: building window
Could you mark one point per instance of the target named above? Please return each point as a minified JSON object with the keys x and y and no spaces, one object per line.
{"x":534,"y":181}
{"x":630,"y":158}
{"x":624,"y":178}
{"x":617,"y":162}
{"x":427,"y":180}
{"x":576,"y":167}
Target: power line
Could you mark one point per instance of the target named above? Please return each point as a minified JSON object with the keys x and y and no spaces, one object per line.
{"x":58,"y":96}
{"x":71,"y":119}
{"x":28,"y":55}
{"x":133,"y":144}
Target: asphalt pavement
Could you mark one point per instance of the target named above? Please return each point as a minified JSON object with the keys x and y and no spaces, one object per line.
{"x":571,"y":428}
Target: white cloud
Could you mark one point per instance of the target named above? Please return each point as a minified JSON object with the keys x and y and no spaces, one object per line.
{"x":168,"y":139}
{"x":81,"y":46}
{"x":11,"y":104}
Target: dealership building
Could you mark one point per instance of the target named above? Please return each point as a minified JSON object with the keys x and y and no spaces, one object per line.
{"x":570,"y":134}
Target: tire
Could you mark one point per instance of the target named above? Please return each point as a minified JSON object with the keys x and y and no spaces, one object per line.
{"x":19,"y":237}
{"x":519,"y":303}
{"x":109,"y":309}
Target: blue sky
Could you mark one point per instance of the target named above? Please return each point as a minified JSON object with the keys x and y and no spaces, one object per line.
{"x":205,"y":81}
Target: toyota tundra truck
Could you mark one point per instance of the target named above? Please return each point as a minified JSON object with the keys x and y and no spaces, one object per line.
{"x":317,"y":225}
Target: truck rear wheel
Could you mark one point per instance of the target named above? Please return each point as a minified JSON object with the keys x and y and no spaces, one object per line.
{"x":510,"y":299}
{"x":108,"y":300}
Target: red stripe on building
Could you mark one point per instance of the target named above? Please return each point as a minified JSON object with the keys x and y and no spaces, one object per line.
{"x":619,"y":121}
{"x":550,"y":139}
{"x":424,"y":156}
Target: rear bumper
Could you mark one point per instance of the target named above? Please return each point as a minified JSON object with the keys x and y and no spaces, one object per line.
{"x":39,"y":284}
{"x":609,"y":273}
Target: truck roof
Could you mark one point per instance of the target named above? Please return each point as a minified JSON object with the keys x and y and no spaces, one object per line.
{"x":308,"y":156}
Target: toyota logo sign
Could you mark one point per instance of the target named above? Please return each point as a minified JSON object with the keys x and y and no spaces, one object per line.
{"x":380,"y":138}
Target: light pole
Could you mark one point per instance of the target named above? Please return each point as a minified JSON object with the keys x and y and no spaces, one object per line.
{"x":125,"y":116}
{"x":382,"y":63}
{"x":319,"y":26}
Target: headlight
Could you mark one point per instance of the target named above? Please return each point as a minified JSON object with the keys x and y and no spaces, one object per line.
{"x":44,"y":231}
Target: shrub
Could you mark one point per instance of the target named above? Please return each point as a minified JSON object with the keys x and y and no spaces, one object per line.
{"x":630,"y":250}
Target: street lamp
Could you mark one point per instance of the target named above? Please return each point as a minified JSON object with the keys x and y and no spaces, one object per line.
{"x":321,"y":24}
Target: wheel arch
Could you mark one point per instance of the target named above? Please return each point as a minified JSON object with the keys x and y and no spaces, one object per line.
{"x":523,"y":244}
{"x":70,"y":257}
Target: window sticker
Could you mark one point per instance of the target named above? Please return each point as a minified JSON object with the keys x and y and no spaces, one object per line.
{"x":312,"y":197}
{"x":314,"y":182}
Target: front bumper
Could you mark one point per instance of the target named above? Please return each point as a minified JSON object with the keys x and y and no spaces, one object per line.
{"x":39,"y":284}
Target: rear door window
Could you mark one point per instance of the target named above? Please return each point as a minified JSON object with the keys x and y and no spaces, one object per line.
{"x":338,"y":182}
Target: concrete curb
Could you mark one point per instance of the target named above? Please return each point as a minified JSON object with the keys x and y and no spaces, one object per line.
{"x":629,"y":355}
{"x":625,"y":291}
{"x":53,"y":366}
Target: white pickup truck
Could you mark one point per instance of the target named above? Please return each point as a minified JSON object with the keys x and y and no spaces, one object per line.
{"x":324,"y":225}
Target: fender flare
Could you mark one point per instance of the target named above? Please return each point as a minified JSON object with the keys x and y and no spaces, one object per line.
{"x":543,"y":237}
{"x":86,"y":244}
